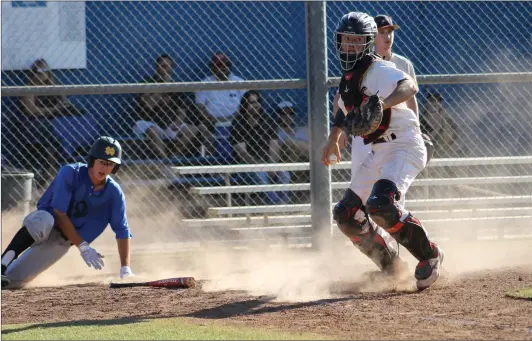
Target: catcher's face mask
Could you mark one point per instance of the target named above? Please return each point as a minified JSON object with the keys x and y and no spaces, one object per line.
{"x":352,"y":47}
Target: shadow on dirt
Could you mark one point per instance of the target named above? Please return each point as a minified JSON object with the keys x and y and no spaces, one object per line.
{"x":82,"y":323}
{"x":231,"y":309}
{"x":251,"y":307}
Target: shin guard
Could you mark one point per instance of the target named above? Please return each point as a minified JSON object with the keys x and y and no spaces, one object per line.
{"x":410,"y":233}
{"x":379,"y":246}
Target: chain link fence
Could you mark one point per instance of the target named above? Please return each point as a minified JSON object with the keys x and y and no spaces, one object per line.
{"x":161,"y":42}
{"x":464,"y":120}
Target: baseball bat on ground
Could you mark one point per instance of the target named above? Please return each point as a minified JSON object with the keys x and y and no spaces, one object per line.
{"x":176,"y":282}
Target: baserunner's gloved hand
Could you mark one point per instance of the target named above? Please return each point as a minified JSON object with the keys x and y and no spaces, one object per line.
{"x":90,"y":256}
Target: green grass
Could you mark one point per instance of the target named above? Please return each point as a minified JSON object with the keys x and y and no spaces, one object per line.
{"x":145,"y":329}
{"x":523,"y":293}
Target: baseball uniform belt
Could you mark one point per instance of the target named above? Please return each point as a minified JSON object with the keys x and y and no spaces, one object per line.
{"x":62,"y":234}
{"x":384,"y":139}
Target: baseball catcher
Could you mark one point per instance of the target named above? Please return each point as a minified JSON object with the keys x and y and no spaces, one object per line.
{"x":74,"y":210}
{"x":372,"y":101}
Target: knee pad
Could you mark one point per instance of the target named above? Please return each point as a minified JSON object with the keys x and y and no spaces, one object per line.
{"x":350,"y":211}
{"x":39,"y":225}
{"x":382,"y":204}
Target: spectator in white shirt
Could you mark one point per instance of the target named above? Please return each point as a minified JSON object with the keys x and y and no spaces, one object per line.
{"x":219,"y":106}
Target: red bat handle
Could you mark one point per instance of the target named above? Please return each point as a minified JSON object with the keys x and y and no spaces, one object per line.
{"x":177,"y":282}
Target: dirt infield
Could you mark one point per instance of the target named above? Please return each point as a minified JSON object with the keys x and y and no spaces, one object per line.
{"x":295,"y":292}
{"x":472,"y":307}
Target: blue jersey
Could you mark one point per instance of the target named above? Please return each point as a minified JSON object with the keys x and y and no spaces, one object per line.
{"x":72,"y":192}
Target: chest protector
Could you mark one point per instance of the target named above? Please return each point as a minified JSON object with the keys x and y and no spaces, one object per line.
{"x":352,"y":94}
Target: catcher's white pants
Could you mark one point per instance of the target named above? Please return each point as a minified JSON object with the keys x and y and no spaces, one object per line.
{"x":359,"y":152}
{"x":399,"y":160}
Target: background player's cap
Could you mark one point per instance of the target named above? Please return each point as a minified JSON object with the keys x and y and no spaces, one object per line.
{"x":385,"y":21}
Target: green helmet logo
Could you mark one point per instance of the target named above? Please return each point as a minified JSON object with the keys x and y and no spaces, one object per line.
{"x":106,"y":148}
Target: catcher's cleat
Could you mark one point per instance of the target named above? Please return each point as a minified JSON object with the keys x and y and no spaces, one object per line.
{"x":428,"y":271}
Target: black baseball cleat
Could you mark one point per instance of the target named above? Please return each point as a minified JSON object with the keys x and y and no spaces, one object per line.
{"x":5,"y":279}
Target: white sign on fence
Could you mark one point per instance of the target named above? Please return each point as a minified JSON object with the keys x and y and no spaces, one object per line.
{"x":43,"y":29}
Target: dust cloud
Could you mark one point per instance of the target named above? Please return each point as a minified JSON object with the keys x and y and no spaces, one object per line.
{"x":297,"y":275}
{"x":287,"y":274}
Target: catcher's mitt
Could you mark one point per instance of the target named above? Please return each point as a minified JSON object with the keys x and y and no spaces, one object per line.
{"x":364,"y":121}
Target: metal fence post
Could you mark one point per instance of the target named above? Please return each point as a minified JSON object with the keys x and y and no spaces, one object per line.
{"x":318,"y":119}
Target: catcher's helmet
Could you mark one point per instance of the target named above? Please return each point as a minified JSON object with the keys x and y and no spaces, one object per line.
{"x":355,"y":24}
{"x":106,"y":148}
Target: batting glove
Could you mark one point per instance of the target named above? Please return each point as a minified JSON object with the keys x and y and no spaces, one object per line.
{"x":90,"y":256}
{"x":125,"y":271}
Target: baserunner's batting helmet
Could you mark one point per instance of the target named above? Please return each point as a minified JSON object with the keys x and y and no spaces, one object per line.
{"x":106,"y":148}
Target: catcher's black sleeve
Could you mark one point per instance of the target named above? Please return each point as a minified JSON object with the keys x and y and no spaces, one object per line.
{"x":339,"y":118}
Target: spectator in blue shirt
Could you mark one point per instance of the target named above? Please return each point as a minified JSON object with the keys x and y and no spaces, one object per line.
{"x":75,"y":209}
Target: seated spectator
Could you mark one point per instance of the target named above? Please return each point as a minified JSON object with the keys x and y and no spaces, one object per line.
{"x":162,"y":116}
{"x":293,"y":140}
{"x":439,"y":125}
{"x":219,"y":106}
{"x":254,"y":139}
{"x":186,"y":138}
{"x":45,"y":106}
{"x":43,"y":148}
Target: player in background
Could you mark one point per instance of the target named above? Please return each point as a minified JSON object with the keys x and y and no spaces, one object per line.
{"x":371,"y":211}
{"x":74,"y":210}
{"x":383,"y":47}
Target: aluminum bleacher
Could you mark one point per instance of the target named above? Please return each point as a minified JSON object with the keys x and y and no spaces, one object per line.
{"x":486,"y":211}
